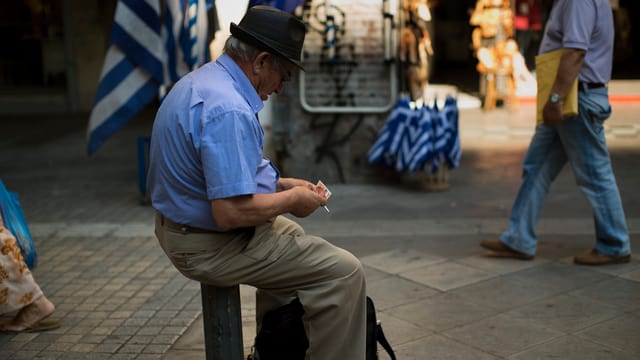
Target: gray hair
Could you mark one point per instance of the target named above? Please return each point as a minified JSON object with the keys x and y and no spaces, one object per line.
{"x":242,"y":51}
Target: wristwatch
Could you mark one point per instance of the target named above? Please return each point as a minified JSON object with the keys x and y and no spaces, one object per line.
{"x":554,"y":98}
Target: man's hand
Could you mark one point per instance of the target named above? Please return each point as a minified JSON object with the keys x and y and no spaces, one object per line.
{"x":307,"y":201}
{"x":568,"y":69}
{"x":552,"y":113}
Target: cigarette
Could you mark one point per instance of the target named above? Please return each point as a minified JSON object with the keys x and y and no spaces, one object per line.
{"x":326,"y":208}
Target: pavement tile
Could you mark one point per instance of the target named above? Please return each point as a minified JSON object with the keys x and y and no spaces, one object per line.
{"x":398,"y":331}
{"x":37,"y":346}
{"x":116,"y":339}
{"x":89,"y":339}
{"x":24,"y":354}
{"x":502,"y":293}
{"x":109,"y":330}
{"x":502,"y":335}
{"x":441,"y":311}
{"x":46,"y":336}
{"x":373,"y":275}
{"x":73,"y":338}
{"x":120,"y":331}
{"x":560,"y":277}
{"x":59,"y":346}
{"x":107,"y":348}
{"x":571,"y":347}
{"x":149,"y":357}
{"x":394,"y":291}
{"x":24,"y":337}
{"x":123,"y":356}
{"x":446,"y":276}
{"x":140,"y":339}
{"x":499,"y":266}
{"x":131,"y":349}
{"x":400,"y":260}
{"x":620,"y":333}
{"x":14,"y":345}
{"x":632,"y":275}
{"x":156,"y":349}
{"x":619,"y":269}
{"x":617,"y":292}
{"x":440,"y":347}
{"x":164,"y":339}
{"x":82,"y":348}
{"x":172,"y":330}
{"x":566,"y":313}
{"x":135,"y":322}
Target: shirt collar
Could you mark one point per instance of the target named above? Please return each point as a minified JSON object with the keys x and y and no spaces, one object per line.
{"x":244,"y":85}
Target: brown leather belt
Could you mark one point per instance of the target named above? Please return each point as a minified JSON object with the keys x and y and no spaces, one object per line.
{"x":170,"y":224}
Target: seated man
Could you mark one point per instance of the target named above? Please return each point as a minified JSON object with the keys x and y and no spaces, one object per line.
{"x":219,"y":202}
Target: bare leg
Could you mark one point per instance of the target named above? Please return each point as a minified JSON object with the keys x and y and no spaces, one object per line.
{"x":30,"y":315}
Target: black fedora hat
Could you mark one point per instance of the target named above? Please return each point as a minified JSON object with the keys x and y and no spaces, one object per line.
{"x":272,"y":30}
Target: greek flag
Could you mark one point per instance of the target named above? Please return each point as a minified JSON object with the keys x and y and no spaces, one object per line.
{"x":151,"y":46}
{"x":452,"y":150}
{"x":388,"y":138}
{"x":423,"y":148}
{"x":418,"y":139}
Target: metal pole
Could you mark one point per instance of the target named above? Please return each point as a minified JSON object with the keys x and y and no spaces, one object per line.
{"x":222,"y":322}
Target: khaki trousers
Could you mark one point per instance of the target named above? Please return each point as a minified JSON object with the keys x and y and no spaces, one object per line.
{"x":282,"y":262}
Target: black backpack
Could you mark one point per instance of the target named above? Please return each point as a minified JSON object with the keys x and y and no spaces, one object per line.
{"x":282,"y":335}
{"x":375,"y":334}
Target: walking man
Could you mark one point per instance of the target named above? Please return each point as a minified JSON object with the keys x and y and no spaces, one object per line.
{"x":584,"y":30}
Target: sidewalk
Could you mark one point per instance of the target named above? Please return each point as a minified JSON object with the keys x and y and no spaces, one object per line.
{"x":118,"y":297}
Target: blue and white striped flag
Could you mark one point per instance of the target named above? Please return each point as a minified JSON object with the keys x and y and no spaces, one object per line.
{"x":146,"y":54}
{"x":423,"y":148}
{"x":284,"y":5}
{"x":405,"y":141}
{"x":418,"y":139}
{"x":388,"y":135}
{"x":451,"y":114}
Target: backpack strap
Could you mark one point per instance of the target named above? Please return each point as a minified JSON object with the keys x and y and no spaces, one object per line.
{"x":383,"y":341}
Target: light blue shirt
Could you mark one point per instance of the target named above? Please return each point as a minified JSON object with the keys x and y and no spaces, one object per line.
{"x":585,"y":25}
{"x":206,"y":144}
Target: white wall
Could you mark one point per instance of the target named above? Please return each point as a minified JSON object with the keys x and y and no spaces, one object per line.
{"x":228,"y":11}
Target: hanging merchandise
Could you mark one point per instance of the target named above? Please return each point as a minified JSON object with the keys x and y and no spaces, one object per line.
{"x":13,"y":218}
{"x":415,"y":48}
{"x":501,"y":66}
{"x":419,"y":139}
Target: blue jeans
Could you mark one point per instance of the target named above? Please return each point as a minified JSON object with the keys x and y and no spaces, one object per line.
{"x":581,"y":141}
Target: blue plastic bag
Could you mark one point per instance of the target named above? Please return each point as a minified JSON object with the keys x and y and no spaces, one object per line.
{"x":14,"y":220}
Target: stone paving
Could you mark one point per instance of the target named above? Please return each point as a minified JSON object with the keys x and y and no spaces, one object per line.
{"x":118,"y":297}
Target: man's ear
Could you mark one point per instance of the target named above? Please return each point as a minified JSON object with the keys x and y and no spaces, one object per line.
{"x":260,"y":61}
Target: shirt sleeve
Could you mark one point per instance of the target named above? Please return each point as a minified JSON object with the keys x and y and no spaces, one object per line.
{"x":579,"y":22}
{"x":231,"y":152}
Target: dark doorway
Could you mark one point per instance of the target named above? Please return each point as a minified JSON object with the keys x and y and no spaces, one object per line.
{"x":32,"y":54}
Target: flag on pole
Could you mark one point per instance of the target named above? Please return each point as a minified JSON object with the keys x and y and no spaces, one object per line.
{"x":381,"y":150}
{"x":153,"y":43}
